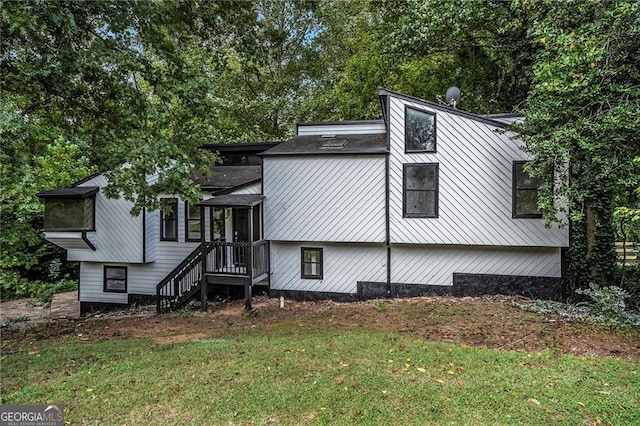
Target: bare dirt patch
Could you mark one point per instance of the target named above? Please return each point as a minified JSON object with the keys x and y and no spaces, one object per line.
{"x":491,"y":322}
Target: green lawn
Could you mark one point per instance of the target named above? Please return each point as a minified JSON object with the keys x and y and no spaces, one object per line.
{"x":288,"y":374}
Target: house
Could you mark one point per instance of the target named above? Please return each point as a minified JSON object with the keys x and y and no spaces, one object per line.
{"x":429,"y":200}
{"x":123,"y":258}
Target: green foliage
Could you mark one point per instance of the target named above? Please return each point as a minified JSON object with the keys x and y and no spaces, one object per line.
{"x":25,"y":257}
{"x":476,"y":45}
{"x":47,"y":291}
{"x":583,"y":110}
{"x":609,"y":305}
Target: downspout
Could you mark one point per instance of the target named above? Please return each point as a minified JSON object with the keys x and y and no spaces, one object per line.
{"x":203,"y":263}
{"x":86,"y":241}
{"x":387,"y":187}
{"x":144,"y":235}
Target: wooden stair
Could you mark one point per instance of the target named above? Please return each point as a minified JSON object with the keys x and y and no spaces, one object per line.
{"x":181,"y":285}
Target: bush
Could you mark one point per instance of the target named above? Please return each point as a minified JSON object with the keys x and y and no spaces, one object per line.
{"x":608,"y":305}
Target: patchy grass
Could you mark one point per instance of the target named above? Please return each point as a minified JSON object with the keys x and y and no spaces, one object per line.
{"x":295,"y":372}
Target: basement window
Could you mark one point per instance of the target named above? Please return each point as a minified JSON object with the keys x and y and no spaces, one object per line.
{"x":311,"y":264}
{"x":115,"y":279}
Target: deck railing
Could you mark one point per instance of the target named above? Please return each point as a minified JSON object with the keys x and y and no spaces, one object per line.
{"x":260,"y":258}
{"x":227,"y":258}
{"x":222,"y":258}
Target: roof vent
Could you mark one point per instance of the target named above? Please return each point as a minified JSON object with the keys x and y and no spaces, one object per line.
{"x":333,"y":144}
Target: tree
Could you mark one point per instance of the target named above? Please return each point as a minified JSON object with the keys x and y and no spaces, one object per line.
{"x":264,"y":86}
{"x":584,"y":111}
{"x":479,"y":46}
{"x":99,"y":86}
{"x":25,"y":258}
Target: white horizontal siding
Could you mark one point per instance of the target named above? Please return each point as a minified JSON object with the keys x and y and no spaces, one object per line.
{"x":356,"y":128}
{"x":475,"y":186}
{"x":325,"y":198}
{"x":118,"y":236}
{"x":162,"y":258}
{"x":344,"y":265}
{"x":436,"y":265}
{"x":152,"y":234}
{"x":141,"y":278}
{"x":92,"y":284}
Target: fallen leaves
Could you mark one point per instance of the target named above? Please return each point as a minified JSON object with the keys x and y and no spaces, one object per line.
{"x":533,"y":401}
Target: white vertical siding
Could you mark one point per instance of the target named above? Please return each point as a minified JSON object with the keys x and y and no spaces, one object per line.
{"x":118,"y":236}
{"x":436,"y":265}
{"x":325,"y":198}
{"x":343,"y":266}
{"x":475,"y":186}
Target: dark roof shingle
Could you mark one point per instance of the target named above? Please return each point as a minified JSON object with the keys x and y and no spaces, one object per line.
{"x":331,"y":145}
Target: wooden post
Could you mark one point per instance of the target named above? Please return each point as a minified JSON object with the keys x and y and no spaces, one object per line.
{"x":247,"y":288}
{"x":203,"y":263}
{"x":247,"y":297}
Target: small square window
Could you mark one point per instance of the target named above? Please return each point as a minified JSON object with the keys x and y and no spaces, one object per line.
{"x":115,"y":279}
{"x":311,"y":263}
{"x":420,"y":187}
{"x":525,"y":193}
{"x":419,"y":130}
{"x":169,"y":221}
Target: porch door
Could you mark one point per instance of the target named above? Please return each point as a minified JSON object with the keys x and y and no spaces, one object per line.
{"x":240,"y":234}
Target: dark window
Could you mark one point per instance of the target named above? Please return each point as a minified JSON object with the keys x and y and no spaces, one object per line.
{"x":525,"y":192}
{"x":192,"y":222}
{"x":69,"y":214}
{"x":169,"y":220}
{"x":217,"y":224}
{"x":419,"y":131}
{"x":115,"y":279}
{"x":311,"y":263}
{"x":420,"y":188}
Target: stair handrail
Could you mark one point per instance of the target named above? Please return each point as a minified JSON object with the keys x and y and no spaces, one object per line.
{"x":194,"y":255}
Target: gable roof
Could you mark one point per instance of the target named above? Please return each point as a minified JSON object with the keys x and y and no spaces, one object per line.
{"x":331,"y":145}
{"x":487,"y":119}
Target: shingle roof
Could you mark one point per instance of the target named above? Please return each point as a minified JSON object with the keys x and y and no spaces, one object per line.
{"x":233,"y":200}
{"x":229,"y":177}
{"x":71,"y":192}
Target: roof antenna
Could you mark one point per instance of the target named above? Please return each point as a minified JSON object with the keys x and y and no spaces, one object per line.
{"x":453,"y":96}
